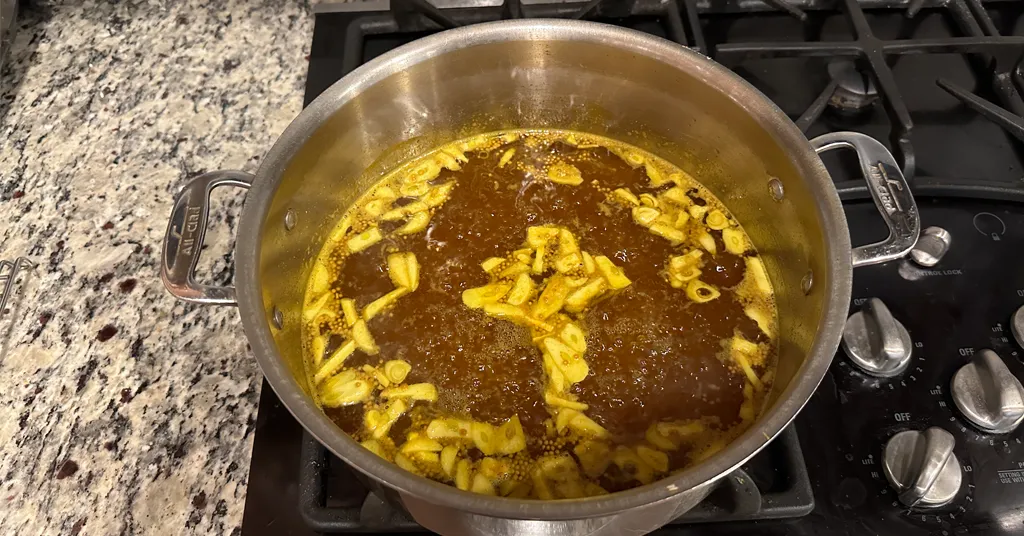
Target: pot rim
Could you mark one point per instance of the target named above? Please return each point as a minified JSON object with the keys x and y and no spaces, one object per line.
{"x":770,"y":117}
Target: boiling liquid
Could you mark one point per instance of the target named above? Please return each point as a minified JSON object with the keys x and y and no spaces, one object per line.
{"x":653,"y":354}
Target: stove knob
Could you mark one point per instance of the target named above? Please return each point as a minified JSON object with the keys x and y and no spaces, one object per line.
{"x":1017,"y":326}
{"x":875,"y":341}
{"x":988,"y":394}
{"x":933,"y":243}
{"x":922,"y":468}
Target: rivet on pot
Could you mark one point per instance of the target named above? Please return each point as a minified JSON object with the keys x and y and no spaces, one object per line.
{"x":289,"y":220}
{"x":277,"y":318}
{"x":807,"y":282}
{"x":776,"y":189}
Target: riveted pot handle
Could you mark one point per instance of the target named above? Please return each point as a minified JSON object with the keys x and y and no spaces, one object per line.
{"x":888,"y":188}
{"x":184,"y":239}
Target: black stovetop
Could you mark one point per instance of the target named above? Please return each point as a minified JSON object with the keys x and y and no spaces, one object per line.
{"x":820,"y":61}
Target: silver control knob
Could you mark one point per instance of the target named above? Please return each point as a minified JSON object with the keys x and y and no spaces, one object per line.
{"x":875,"y":341}
{"x":933,"y":243}
{"x":988,"y":394}
{"x":1017,"y":326}
{"x":922,"y":468}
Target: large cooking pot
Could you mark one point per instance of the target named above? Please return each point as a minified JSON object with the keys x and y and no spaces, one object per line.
{"x":619,"y":83}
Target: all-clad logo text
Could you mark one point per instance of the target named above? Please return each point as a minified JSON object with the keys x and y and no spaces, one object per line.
{"x":191,"y":225}
{"x":884,"y":188}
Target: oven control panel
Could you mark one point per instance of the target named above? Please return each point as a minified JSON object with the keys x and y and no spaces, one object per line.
{"x":918,"y":419}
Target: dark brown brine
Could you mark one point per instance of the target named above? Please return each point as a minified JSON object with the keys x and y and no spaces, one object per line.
{"x":540,"y":314}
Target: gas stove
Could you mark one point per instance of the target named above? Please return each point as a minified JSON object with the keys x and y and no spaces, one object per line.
{"x":914,"y":428}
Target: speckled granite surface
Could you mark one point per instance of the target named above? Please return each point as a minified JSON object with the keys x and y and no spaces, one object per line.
{"x":123,"y":411}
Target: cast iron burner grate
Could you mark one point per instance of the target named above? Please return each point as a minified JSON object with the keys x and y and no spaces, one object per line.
{"x":772,"y":485}
{"x":866,"y":75}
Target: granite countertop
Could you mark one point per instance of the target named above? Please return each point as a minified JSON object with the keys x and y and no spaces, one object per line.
{"x":123,"y":411}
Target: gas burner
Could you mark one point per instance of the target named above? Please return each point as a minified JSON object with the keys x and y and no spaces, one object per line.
{"x":855,"y":90}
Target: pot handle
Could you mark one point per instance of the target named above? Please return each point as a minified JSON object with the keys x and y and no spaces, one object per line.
{"x":184,"y":239}
{"x":888,"y":188}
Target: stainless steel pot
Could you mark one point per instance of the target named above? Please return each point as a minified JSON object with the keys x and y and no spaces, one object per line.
{"x":618,"y":83}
